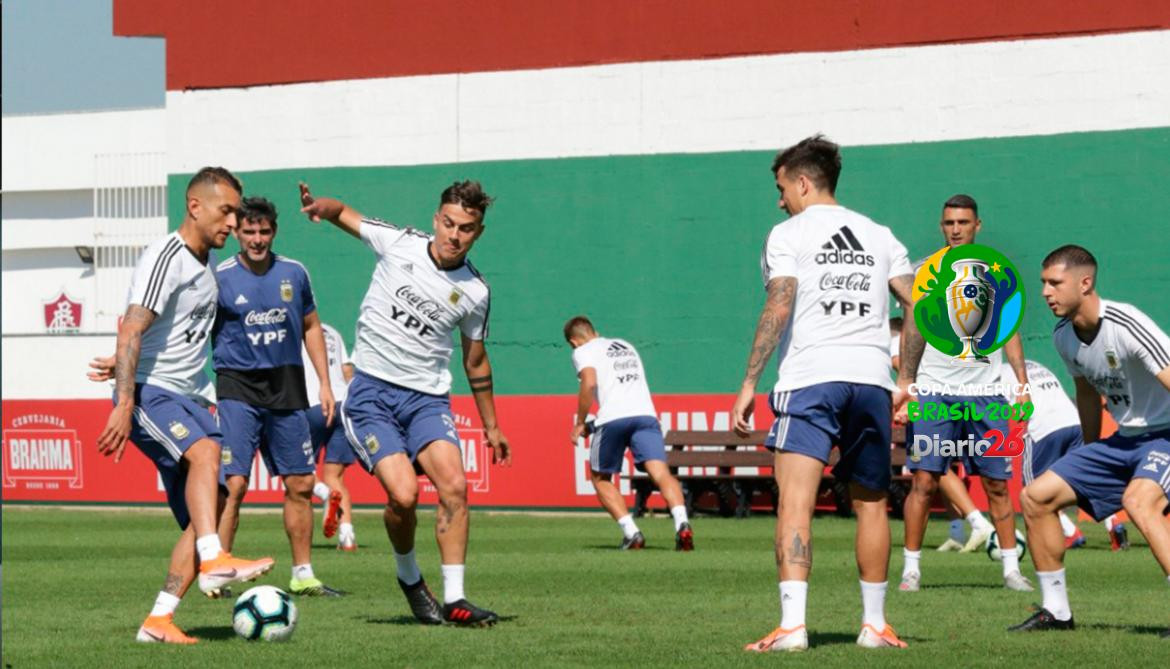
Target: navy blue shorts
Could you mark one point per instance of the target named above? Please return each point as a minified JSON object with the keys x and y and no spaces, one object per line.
{"x":992,"y":467}
{"x":1099,"y":472}
{"x":856,"y":417}
{"x":281,"y":436}
{"x":642,"y":434}
{"x":165,"y":424}
{"x":383,"y":418}
{"x":1039,"y":455}
{"x":332,"y":438}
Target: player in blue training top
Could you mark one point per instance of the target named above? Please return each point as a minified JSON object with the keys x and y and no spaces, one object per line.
{"x":1115,"y":351}
{"x":266,"y":311}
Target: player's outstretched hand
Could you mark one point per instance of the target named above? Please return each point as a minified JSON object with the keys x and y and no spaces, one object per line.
{"x":501,"y":451}
{"x":318,"y":209}
{"x":113,"y":439}
{"x":741,"y":412}
{"x":102,"y":369}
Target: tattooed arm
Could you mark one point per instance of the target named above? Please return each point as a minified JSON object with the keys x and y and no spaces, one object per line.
{"x":134,"y":324}
{"x":910,"y":350}
{"x":479,"y":377}
{"x":773,"y":321}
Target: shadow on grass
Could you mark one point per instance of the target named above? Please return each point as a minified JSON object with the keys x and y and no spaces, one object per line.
{"x":615,"y":549}
{"x":1132,"y":629}
{"x":827,"y":638}
{"x":410,"y":620}
{"x":212,"y":633}
{"x":945,"y":586}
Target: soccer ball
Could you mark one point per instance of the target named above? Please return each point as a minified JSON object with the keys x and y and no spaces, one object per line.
{"x":994,"y":552}
{"x":265,"y":612}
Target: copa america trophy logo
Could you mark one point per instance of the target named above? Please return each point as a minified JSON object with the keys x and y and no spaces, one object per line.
{"x":970,"y":305}
{"x":968,"y":302}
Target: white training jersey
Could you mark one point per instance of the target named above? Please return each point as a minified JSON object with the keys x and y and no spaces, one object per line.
{"x":1053,"y":408}
{"x":1122,"y":362}
{"x":839,"y":327}
{"x":412,"y":309}
{"x":181,"y":290}
{"x":337,"y":356}
{"x":621,"y":380}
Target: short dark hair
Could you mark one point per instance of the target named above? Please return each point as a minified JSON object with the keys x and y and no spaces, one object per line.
{"x":467,"y":194}
{"x":257,"y":208}
{"x":1071,"y":255}
{"x":962,"y":201}
{"x":578,"y":326}
{"x":209,"y":176}
{"x":815,"y":157}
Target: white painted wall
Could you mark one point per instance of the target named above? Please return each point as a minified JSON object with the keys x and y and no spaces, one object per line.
{"x":880,"y":96}
{"x":48,"y":367}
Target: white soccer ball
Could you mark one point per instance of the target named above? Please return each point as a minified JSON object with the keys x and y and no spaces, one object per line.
{"x":994,"y":552}
{"x":265,"y":612}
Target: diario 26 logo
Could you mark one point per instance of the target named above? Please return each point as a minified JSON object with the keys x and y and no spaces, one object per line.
{"x":968,"y":301}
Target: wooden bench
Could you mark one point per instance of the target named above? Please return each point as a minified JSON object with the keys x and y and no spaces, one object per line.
{"x":725,"y":451}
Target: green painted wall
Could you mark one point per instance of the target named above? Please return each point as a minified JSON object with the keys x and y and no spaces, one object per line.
{"x":664,"y":250}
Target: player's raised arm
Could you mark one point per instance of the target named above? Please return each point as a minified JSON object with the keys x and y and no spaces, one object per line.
{"x":1089,"y":409}
{"x":335,"y":211}
{"x":113,"y":438}
{"x":585,"y":395}
{"x":479,"y":377}
{"x":773,"y":321}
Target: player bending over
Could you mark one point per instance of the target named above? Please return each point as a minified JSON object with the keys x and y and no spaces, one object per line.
{"x":1112,"y":350}
{"x":611,"y":373}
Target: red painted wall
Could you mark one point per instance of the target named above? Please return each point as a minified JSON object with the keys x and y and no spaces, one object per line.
{"x":227,"y":43}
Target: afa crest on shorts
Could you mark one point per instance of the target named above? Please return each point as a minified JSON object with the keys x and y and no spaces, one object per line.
{"x":372,"y":444}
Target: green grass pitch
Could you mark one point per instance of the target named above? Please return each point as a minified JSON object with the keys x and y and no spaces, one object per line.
{"x":76,"y":584}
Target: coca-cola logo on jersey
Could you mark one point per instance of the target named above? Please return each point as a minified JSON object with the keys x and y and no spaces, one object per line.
{"x":424,"y":306}
{"x":203,"y":311}
{"x":271,"y":317}
{"x":858,"y":281}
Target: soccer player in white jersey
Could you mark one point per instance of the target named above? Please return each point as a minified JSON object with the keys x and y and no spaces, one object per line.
{"x":959,"y":224}
{"x":397,"y":411}
{"x":162,"y":394}
{"x":338,"y":516}
{"x":1115,"y":351}
{"x":612,"y":374}
{"x":828,"y":271}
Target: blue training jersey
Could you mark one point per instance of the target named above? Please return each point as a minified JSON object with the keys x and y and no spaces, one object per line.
{"x":258,"y":333}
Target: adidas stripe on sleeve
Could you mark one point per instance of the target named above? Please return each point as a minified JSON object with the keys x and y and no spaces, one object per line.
{"x":154,"y":277}
{"x":1144,"y":338}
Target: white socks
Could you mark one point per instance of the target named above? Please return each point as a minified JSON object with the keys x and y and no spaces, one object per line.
{"x":321,"y":491}
{"x":302,"y":572}
{"x":629,"y":529}
{"x":1068,"y":526}
{"x":208,"y":547}
{"x":680,"y":516}
{"x":1011,"y":559}
{"x":165,"y":604}
{"x":977,"y":521}
{"x":911,"y":561}
{"x":345,"y":533}
{"x":793,"y":598}
{"x":873,"y":605}
{"x":1054,"y":589}
{"x":407,"y":568}
{"x":452,"y":583}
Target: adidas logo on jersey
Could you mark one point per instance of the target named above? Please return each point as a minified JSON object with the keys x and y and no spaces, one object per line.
{"x":844,"y":249}
{"x":618,"y":350}
{"x":409,"y":267}
{"x":241,"y":300}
